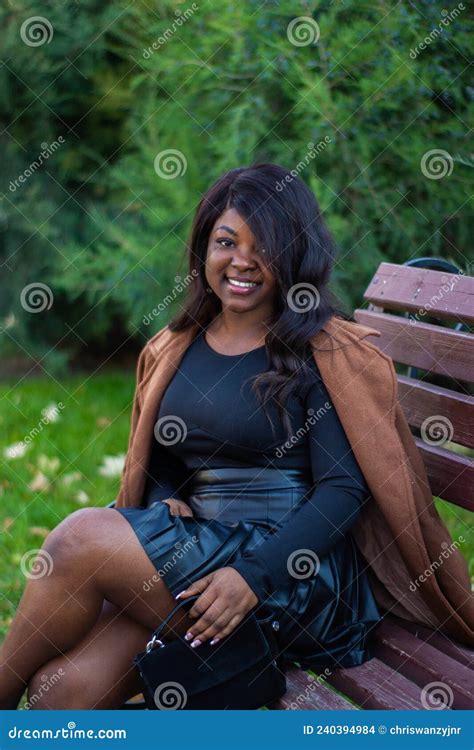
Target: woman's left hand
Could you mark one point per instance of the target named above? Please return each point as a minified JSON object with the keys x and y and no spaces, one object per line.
{"x":225,"y":599}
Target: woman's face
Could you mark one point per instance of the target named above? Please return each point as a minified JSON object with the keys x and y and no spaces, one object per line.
{"x":233,"y":256}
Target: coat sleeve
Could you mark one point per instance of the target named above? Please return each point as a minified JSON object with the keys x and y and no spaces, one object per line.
{"x":121,"y":500}
{"x":323,"y":518}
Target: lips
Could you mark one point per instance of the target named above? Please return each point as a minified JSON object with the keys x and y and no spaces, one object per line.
{"x":241,"y":285}
{"x":242,"y":280}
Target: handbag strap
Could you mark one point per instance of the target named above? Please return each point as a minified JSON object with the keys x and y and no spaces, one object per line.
{"x":156,"y":633}
{"x":264,"y":624}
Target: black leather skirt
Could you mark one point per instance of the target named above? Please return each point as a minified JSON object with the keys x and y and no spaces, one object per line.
{"x":325,"y":620}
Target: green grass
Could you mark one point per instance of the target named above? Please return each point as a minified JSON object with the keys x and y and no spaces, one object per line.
{"x":94,"y":422}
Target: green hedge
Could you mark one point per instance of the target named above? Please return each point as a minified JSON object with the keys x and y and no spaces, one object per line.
{"x":355,"y":113}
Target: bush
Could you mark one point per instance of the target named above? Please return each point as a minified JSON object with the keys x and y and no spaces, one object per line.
{"x":222,"y":85}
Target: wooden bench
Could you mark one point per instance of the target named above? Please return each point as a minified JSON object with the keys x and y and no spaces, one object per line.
{"x":423,"y":316}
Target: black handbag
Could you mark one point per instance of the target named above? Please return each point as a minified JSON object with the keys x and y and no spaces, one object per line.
{"x":241,"y":671}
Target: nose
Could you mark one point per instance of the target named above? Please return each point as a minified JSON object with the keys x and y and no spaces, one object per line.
{"x":243,"y":257}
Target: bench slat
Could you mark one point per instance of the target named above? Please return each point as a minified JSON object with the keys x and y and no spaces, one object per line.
{"x":420,"y":400}
{"x":450,"y":475}
{"x":423,"y":664}
{"x":440,"y":641}
{"x":307,"y":693}
{"x":374,"y":685}
{"x":423,"y":292}
{"x":430,"y":347}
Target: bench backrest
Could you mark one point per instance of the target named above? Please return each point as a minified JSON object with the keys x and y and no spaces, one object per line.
{"x":437,"y":401}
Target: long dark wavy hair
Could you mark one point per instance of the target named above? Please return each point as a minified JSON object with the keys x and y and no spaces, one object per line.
{"x":286,"y":221}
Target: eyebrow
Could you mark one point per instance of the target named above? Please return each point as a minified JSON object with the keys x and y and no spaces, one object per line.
{"x":228,"y":229}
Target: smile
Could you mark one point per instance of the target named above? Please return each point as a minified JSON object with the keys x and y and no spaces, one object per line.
{"x":241,"y":287}
{"x":234,"y":282}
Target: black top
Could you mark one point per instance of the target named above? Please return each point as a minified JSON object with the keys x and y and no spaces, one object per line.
{"x":222,"y":423}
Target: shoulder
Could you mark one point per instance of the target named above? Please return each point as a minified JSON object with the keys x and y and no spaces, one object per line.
{"x":166,"y":344}
{"x":153,"y":344}
{"x":351,"y":338}
{"x":350,"y":363}
{"x":340,"y":330}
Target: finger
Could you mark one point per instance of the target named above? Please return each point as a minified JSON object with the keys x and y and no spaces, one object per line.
{"x":228,"y":628}
{"x":185,"y":511}
{"x":202,"y":604}
{"x":217,"y":626}
{"x":197,"y":587}
{"x":205,"y":622}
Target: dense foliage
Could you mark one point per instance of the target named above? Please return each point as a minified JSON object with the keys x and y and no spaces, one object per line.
{"x":115,"y":84}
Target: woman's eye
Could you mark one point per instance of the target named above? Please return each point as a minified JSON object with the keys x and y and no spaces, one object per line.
{"x":223,"y":240}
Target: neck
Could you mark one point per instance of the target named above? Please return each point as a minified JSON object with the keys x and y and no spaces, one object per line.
{"x":241,"y":325}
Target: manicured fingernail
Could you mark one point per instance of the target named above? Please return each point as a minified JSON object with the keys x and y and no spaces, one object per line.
{"x":188,"y":636}
{"x":214,"y":640}
{"x":195,"y":643}
{"x":180,"y":594}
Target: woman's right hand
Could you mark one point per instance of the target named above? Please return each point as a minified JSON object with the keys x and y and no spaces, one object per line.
{"x":178,"y":507}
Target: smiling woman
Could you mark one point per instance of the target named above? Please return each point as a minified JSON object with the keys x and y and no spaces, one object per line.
{"x":225,"y":512}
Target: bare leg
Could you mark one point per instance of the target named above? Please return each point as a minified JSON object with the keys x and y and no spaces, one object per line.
{"x":98,"y":673}
{"x":94,"y":555}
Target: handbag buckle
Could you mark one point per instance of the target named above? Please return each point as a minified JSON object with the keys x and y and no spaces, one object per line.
{"x":151,"y":644}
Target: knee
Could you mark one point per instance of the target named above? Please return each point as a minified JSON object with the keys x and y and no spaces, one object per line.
{"x":74,"y":535}
{"x":57,"y":688}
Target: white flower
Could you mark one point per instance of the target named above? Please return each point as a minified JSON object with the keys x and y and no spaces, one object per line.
{"x":73,"y":476}
{"x":48,"y":465}
{"x":81,"y":497}
{"x":16,"y":451}
{"x":40,"y":482}
{"x":112,"y":466}
{"x":51,"y":413}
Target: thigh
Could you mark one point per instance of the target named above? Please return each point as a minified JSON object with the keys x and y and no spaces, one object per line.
{"x":97,"y":548}
{"x":98,"y":672}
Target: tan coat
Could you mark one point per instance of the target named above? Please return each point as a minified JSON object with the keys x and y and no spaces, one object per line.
{"x":416,"y":571}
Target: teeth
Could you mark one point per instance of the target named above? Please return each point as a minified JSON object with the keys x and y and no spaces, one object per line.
{"x":234,"y":282}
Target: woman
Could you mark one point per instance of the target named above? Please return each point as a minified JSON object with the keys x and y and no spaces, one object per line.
{"x":252,"y":487}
